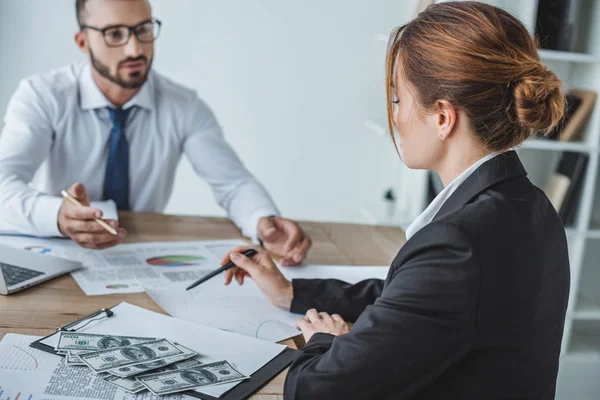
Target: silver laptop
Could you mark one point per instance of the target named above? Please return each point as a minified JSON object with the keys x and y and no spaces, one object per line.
{"x":20,"y":269}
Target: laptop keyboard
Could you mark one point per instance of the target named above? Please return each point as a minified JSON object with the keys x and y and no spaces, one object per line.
{"x":14,"y":275}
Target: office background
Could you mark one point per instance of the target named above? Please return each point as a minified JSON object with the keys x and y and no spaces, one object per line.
{"x":292,"y":84}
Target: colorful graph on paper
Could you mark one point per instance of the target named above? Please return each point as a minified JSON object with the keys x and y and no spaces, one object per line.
{"x":176,"y":261}
{"x":17,"y":396}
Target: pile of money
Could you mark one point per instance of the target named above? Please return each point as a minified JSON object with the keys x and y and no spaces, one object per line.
{"x":135,"y":364}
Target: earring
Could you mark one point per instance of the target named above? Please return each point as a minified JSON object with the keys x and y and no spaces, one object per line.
{"x":441,"y":136}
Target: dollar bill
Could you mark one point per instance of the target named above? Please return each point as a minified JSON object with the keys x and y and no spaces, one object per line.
{"x":78,"y":341}
{"x":132,"y":385}
{"x":74,"y":360}
{"x":153,"y":351}
{"x":131,"y":370}
{"x":203,"y":375}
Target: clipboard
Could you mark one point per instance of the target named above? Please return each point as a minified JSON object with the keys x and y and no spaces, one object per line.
{"x":240,"y":392}
{"x":72,"y":327}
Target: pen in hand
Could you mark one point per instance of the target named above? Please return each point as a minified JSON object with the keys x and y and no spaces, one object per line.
{"x":229,"y":265}
{"x":73,"y":200}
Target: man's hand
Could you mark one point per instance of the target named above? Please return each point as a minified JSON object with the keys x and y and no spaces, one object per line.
{"x":322,"y":322}
{"x":263,"y":271}
{"x":284,"y":238}
{"x":78,"y":222}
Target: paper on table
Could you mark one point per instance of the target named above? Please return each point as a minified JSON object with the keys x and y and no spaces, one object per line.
{"x":246,"y":354}
{"x":244,"y":309}
{"x":114,"y":270}
{"x":28,"y":373}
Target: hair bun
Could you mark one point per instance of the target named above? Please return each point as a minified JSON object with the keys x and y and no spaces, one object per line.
{"x":539,"y":101}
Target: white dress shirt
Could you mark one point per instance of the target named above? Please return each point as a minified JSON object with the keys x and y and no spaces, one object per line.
{"x":60,"y":119}
{"x":434,"y":207}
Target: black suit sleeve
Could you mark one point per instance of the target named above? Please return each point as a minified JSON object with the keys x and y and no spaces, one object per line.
{"x":334,"y":296}
{"x":423,"y":323}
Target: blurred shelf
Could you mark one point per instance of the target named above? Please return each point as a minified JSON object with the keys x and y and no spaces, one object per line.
{"x":588,"y":308}
{"x":593,"y":234}
{"x":553,"y":55}
{"x":554,"y":145}
{"x":587,"y":313}
{"x":585,"y":338}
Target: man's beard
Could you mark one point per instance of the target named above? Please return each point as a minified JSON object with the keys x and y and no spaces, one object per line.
{"x":133,"y":84}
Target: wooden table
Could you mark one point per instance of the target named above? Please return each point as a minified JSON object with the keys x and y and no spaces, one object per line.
{"x":39,"y":310}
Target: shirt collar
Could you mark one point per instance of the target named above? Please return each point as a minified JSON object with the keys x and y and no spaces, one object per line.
{"x":91,"y":98}
{"x":434,"y":207}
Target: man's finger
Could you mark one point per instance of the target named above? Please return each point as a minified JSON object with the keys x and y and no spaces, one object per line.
{"x":297,"y":255}
{"x":78,"y":191}
{"x":82,"y":212}
{"x":93,"y":238}
{"x":108,"y":244}
{"x":295,"y":235}
{"x":268,"y":229}
{"x":85,"y":226}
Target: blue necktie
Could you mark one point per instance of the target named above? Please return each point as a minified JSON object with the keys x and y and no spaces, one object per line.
{"x":116,"y":180}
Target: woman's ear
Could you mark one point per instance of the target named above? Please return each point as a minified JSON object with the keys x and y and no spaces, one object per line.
{"x":447,"y":116}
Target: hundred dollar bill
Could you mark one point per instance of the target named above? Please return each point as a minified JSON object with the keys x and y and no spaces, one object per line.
{"x":77,"y":341}
{"x":130,"y":370}
{"x":74,"y":360}
{"x":155,"y":350}
{"x":132,"y":385}
{"x":203,"y":375}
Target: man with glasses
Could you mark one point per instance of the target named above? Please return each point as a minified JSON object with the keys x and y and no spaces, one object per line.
{"x":112,"y":129}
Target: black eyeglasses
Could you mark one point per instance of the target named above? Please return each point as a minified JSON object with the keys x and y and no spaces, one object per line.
{"x":119,"y":35}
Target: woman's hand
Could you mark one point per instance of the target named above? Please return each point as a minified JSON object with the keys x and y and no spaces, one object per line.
{"x":263,"y":271}
{"x":322,"y":322}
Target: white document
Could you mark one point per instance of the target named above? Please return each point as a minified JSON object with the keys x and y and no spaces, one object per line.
{"x":115,"y":270}
{"x":31,"y":374}
{"x":244,"y":309}
{"x":246,"y":354}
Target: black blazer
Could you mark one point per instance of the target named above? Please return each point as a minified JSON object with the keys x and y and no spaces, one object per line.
{"x":473,"y":306}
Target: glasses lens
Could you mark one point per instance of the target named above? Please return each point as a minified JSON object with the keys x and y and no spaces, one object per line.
{"x":147,"y":32}
{"x":116,"y":36}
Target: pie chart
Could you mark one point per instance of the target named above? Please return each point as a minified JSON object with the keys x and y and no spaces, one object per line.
{"x":176,"y":261}
{"x":38,"y":249}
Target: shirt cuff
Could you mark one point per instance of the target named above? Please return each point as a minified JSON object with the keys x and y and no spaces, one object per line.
{"x":45,"y":215}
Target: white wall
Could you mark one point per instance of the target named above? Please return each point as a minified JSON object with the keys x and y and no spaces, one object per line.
{"x":292,"y":83}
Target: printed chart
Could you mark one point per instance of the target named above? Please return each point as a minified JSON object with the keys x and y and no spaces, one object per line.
{"x":176,"y":261}
{"x":15,"y":396}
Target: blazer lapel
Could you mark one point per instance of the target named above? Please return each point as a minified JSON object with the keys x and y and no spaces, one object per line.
{"x":502,"y":168}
